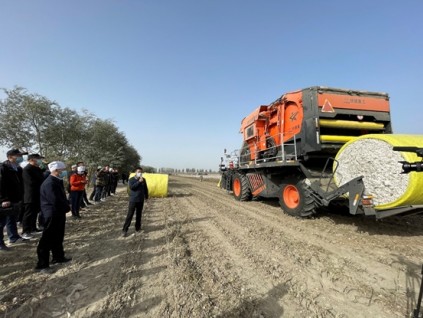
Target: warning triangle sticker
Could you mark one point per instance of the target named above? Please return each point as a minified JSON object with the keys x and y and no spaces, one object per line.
{"x":327,"y":107}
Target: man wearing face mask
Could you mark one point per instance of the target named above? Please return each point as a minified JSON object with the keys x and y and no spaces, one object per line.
{"x":77,"y":182}
{"x":54,"y":206}
{"x":32,"y":178}
{"x":138,"y":192}
{"x":11,"y":195}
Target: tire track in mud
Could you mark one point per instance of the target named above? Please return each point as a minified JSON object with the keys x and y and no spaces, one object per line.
{"x":278,"y":260}
{"x":400,"y":235}
{"x":221,"y":273}
{"x":297,"y":228}
{"x":387,"y":293}
{"x":356,"y":226}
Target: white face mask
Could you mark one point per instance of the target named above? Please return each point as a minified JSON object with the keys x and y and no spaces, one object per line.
{"x":139,"y":175}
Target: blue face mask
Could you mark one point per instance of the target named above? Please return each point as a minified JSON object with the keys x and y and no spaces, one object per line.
{"x":63,"y":174}
{"x":19,"y":160}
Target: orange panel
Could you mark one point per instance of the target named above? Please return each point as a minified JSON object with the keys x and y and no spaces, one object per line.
{"x":293,"y":118}
{"x":354,"y":102}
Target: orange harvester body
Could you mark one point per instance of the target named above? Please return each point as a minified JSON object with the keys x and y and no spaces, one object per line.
{"x":306,"y":115}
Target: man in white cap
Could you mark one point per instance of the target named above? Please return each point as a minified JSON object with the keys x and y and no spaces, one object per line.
{"x":54,"y":206}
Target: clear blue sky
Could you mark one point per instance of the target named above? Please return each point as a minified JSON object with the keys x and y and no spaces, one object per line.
{"x":177,"y":77}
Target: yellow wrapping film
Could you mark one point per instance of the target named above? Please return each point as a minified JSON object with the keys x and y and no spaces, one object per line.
{"x":157,"y":184}
{"x":336,"y":139}
{"x":413,"y":195}
{"x":348,"y":124}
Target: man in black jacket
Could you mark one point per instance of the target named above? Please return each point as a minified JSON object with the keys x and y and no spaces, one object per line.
{"x":138,"y":191}
{"x":11,"y":195}
{"x":54,"y":206}
{"x":32,"y":178}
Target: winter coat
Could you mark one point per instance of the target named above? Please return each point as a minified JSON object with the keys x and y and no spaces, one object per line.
{"x":53,"y":198}
{"x":100,"y":178}
{"x":138,"y":190}
{"x":11,"y":183}
{"x":32,"y":178}
{"x":78,"y":182}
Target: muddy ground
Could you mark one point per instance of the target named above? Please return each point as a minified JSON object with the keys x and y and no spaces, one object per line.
{"x":203,"y":254}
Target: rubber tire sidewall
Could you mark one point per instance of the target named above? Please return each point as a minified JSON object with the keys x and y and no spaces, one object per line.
{"x":304,"y":200}
{"x":245,"y":193}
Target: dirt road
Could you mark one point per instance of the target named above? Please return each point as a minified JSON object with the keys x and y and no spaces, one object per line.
{"x":203,"y":254}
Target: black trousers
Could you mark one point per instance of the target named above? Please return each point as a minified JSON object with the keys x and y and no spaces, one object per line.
{"x":29,"y":220}
{"x":137,"y":208}
{"x":76,"y":198}
{"x":51,"y":240}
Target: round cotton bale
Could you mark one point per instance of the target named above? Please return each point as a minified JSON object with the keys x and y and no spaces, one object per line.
{"x":157,"y":184}
{"x":372,"y":157}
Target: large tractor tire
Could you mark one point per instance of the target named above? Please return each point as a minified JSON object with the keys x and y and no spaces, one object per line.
{"x":241,"y":188}
{"x":295,"y":200}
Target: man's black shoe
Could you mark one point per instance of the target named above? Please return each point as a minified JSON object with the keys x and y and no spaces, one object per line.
{"x":61,"y":260}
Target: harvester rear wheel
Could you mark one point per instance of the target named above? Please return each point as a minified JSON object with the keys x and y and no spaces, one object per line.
{"x":240,"y":188}
{"x":295,"y":200}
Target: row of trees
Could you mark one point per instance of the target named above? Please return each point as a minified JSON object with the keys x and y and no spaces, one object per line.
{"x":36,"y":124}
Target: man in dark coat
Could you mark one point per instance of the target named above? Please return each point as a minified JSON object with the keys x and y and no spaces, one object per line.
{"x":138,"y":192}
{"x":11,"y":195}
{"x":54,"y":206}
{"x":32,"y":178}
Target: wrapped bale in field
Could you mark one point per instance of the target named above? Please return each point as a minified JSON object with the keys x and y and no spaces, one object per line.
{"x":372,"y":157}
{"x":157,"y":184}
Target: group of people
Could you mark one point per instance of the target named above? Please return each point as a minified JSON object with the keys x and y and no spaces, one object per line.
{"x":104,"y":181}
{"x":32,"y":193}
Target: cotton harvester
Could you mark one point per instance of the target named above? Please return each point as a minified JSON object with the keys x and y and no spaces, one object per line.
{"x":324,"y":147}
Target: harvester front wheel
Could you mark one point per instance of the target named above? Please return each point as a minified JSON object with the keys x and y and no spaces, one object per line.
{"x":295,"y":200}
{"x":240,"y":188}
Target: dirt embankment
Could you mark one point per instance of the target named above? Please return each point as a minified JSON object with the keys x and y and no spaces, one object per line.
{"x":203,"y":254}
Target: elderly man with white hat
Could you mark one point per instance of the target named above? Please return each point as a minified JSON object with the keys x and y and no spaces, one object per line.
{"x":54,"y":206}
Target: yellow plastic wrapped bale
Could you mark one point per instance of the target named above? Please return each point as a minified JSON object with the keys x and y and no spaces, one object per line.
{"x":372,"y":157}
{"x":157,"y":184}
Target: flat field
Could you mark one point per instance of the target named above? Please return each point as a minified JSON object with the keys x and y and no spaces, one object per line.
{"x":203,"y":254}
